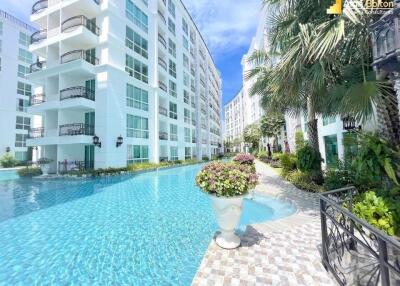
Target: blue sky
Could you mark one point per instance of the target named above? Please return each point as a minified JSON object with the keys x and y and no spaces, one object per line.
{"x":226,"y":25}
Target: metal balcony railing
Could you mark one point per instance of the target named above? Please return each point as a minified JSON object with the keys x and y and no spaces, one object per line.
{"x":67,"y":166}
{"x":37,"y":99}
{"x":163,"y":135}
{"x":38,"y":66}
{"x":163,"y":86}
{"x":75,"y":129}
{"x":36,"y":133}
{"x":162,"y":41}
{"x":38,"y":36}
{"x":39,"y":6}
{"x":162,"y":17}
{"x":79,"y":55}
{"x":163,"y":159}
{"x":77,"y":21}
{"x":77,"y":92}
{"x":162,"y":63}
{"x":163,"y":111}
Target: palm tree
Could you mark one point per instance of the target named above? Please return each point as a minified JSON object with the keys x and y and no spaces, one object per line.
{"x":271,"y":126}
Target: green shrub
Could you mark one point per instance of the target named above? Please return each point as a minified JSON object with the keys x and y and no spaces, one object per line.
{"x":262,"y":155}
{"x":303,"y":181}
{"x":308,"y":160}
{"x":8,"y":161}
{"x":275,"y":164}
{"x":144,"y":166}
{"x":299,"y":140}
{"x":29,"y":172}
{"x":378,"y":211}
{"x":206,"y":158}
{"x":276,"y":156}
{"x":288,"y":162}
{"x":336,"y":178}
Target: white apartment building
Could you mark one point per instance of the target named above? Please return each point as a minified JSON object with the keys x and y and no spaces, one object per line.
{"x":122,"y":81}
{"x":235,"y":118}
{"x":15,"y":60}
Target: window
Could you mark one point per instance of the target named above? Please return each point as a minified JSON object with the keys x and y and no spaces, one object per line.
{"x":22,"y":71}
{"x":172,"y":88}
{"x":328,"y":120}
{"x":171,"y":7}
{"x":24,"y":89}
{"x":137,"y":69}
{"x":186,"y":97}
{"x":173,"y":110}
{"x":331,"y":150}
{"x":350,"y":144}
{"x":171,"y":26}
{"x":185,"y":27}
{"x":23,"y":123}
{"x":188,"y":153}
{"x":173,"y":132}
{"x":186,"y":79}
{"x":172,"y":48}
{"x":21,"y":156}
{"x":187,"y":115}
{"x":138,"y":154}
{"x":136,"y":42}
{"x":185,"y":43}
{"x":25,"y":56}
{"x":137,"y":98}
{"x":20,"y":140}
{"x":172,"y":68}
{"x":174,"y":153}
{"x":24,"y":39}
{"x":22,"y":105}
{"x":137,"y":16}
{"x":137,"y":127}
{"x":188,"y":138}
{"x":185,"y":61}
{"x":1,"y":28}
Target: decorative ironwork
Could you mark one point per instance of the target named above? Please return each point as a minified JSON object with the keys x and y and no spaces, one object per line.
{"x":36,"y":133}
{"x":37,"y":99}
{"x":38,"y":36}
{"x":77,"y":21}
{"x":77,"y":92}
{"x":79,"y":55}
{"x":355,"y":252}
{"x":39,"y":6}
{"x":75,"y":129}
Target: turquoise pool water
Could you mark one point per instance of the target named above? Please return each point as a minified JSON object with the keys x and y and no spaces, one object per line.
{"x":8,"y":175}
{"x":149,"y":229}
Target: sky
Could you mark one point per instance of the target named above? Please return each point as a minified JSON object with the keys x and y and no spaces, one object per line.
{"x":227,"y":26}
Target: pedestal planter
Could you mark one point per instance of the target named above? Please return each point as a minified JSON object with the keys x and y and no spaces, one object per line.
{"x":45,"y":169}
{"x":227,"y":212}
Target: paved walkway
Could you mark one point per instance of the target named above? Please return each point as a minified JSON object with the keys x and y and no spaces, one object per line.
{"x":282,"y":252}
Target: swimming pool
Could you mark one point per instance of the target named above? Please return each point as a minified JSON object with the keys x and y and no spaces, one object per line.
{"x":149,"y":229}
{"x":8,"y":175}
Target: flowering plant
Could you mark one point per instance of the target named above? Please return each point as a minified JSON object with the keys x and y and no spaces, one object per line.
{"x":226,"y":179}
{"x":244,"y":159}
{"x":44,"y":161}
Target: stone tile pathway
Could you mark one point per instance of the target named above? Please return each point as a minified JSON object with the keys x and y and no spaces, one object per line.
{"x":282,"y":252}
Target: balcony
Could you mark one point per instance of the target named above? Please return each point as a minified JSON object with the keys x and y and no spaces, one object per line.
{"x":163,"y":64}
{"x":162,"y":111}
{"x":75,"y":129}
{"x":36,"y":99}
{"x":79,"y":55}
{"x":77,"y":92}
{"x":38,"y":66}
{"x":162,"y":86}
{"x":67,"y":166}
{"x":162,"y":17}
{"x":162,"y":41}
{"x":79,"y":21}
{"x":38,"y":36}
{"x":163,"y":136}
{"x":39,"y":6}
{"x":36,"y":133}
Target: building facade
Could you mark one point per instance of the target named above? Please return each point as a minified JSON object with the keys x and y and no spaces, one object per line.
{"x":234,"y":114}
{"x":15,"y":60}
{"x":122,"y":81}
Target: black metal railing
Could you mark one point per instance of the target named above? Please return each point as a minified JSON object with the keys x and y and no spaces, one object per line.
{"x":36,"y":133}
{"x":163,"y":159}
{"x":162,"y":17}
{"x":37,"y":99}
{"x":68,"y":166}
{"x":163,"y":136}
{"x":194,"y":140}
{"x":77,"y":21}
{"x":75,"y":129}
{"x":37,"y":66}
{"x":39,"y":6}
{"x":353,"y":251}
{"x":163,"y":86}
{"x":163,"y":111}
{"x":77,"y":92}
{"x":161,"y":39}
{"x":38,"y":36}
{"x":79,"y":55}
{"x":162,"y":63}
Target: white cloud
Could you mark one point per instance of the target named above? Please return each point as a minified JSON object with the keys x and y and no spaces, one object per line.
{"x":225,"y":24}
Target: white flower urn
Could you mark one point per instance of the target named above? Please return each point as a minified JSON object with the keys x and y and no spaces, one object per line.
{"x":227,"y":212}
{"x":45,"y":169}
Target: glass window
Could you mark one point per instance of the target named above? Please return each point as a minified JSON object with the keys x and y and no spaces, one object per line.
{"x":188,"y":138}
{"x":23,"y":123}
{"x":185,"y":27}
{"x":174,"y":153}
{"x":172,"y":68}
{"x":186,"y":79}
{"x":185,"y":43}
{"x":171,"y":8}
{"x":172,"y":88}
{"x":137,"y":16}
{"x":186,"y":97}
{"x":24,"y":89}
{"x":331,"y":150}
{"x":187,"y":115}
{"x":20,"y":140}
{"x":24,"y":39}
{"x":185,"y":61}
{"x":328,"y":120}
{"x":20,"y":155}
{"x":137,"y":127}
{"x":188,"y":153}
{"x":137,"y":69}
{"x":172,"y":48}
{"x":22,"y":71}
{"x":137,"y":154}
{"x":22,"y":104}
{"x":173,"y":110}
{"x":350,"y":144}
{"x":173,"y":132}
{"x":171,"y":26}
{"x":137,"y":98}
{"x":25,"y":56}
{"x":136,"y":42}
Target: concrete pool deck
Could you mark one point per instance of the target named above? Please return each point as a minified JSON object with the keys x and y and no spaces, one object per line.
{"x":281,"y":252}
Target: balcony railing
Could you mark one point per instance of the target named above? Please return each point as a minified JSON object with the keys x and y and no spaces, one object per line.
{"x":163,"y":64}
{"x":39,"y":6}
{"x":194,"y":122}
{"x":67,"y":166}
{"x":194,"y":140}
{"x":163,"y":86}
{"x":163,"y":158}
{"x":163,"y":111}
{"x":163,"y":135}
{"x":77,"y":21}
{"x":38,"y":36}
{"x":79,"y":55}
{"x":37,"y":66}
{"x":36,"y":133}
{"x":162,"y":17}
{"x":162,"y":41}
{"x":75,"y":129}
{"x":37,"y":99}
{"x":77,"y":92}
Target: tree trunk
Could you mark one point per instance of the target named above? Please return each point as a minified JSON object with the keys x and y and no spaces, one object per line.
{"x":313,"y":137}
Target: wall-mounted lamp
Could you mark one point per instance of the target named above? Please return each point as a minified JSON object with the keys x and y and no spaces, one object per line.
{"x":120,"y":141}
{"x":8,"y":149}
{"x":349,"y":123}
{"x":96,"y":141}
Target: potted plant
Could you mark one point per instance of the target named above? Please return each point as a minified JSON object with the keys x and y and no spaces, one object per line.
{"x":227,"y":184}
{"x":44,"y":164}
